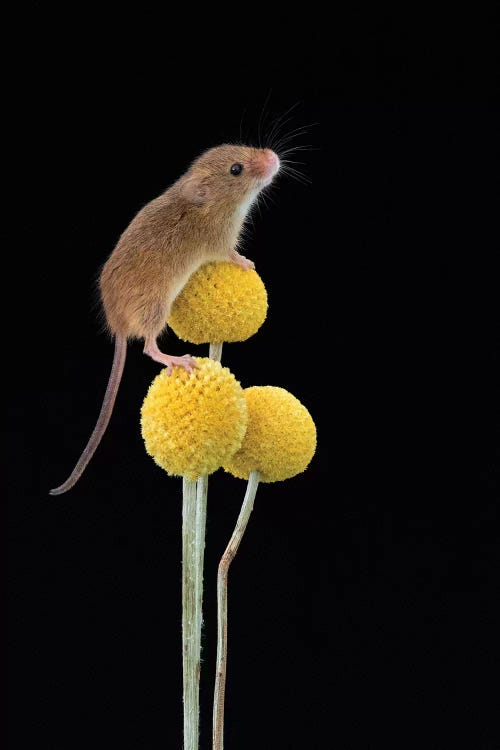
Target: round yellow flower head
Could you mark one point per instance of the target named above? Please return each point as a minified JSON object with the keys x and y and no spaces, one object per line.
{"x":220,"y":302}
{"x":280,"y":440}
{"x":192,"y":423}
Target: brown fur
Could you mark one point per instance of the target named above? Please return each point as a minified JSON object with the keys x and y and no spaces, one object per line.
{"x":196,"y":220}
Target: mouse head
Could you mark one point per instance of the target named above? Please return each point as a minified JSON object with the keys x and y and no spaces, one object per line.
{"x":229,"y":176}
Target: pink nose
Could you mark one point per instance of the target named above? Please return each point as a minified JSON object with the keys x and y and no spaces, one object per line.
{"x":272,"y":163}
{"x":271,"y":157}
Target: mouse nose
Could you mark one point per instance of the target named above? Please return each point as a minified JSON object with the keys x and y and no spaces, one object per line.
{"x":272,"y":161}
{"x":271,"y":157}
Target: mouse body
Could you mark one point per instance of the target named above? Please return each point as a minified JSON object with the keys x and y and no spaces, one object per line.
{"x":196,"y":220}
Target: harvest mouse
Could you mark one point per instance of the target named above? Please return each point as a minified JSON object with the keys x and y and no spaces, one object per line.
{"x":196,"y":220}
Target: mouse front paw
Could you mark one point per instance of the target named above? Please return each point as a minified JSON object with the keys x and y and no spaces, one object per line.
{"x":241,"y":261}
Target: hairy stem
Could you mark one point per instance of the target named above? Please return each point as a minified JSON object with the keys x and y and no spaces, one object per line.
{"x":194,"y":516}
{"x":222,"y":577}
{"x":193,"y":544}
{"x":215,"y":351}
{"x":201,"y":520}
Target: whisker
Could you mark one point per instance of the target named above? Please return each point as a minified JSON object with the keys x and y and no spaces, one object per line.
{"x":301,"y":176}
{"x":282,"y":139}
{"x":279,"y":123}
{"x":292,"y":170}
{"x":260,"y":118}
{"x":295,"y":174}
{"x":241,"y":124}
{"x":268,"y":193}
{"x":257,"y":206}
{"x":276,"y":136}
{"x":307,"y":147}
{"x":286,"y":142}
{"x":270,"y":197}
{"x":293,"y":134}
{"x":263,"y":200}
{"x":291,"y":161}
{"x":299,"y":128}
{"x":246,"y":229}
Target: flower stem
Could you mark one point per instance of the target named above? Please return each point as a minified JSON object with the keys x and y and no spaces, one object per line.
{"x":194,"y":516}
{"x":201,"y":520}
{"x":227,"y":557}
{"x":215,"y":351}
{"x":193,"y":544}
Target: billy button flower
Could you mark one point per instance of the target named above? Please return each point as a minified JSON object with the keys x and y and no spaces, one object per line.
{"x":220,"y":302}
{"x":281,"y":437}
{"x":279,"y":443}
{"x":191,"y":424}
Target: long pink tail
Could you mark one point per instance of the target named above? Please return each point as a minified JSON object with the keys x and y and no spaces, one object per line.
{"x":103,"y":419}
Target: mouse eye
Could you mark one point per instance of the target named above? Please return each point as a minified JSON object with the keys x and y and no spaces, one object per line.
{"x":236,"y":169}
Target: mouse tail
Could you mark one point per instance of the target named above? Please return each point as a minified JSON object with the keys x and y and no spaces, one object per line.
{"x":103,"y":419}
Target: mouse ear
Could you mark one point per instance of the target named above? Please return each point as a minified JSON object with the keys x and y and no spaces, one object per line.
{"x":194,"y":191}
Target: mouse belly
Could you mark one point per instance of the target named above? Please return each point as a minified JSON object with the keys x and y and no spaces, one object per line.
{"x":139,"y":306}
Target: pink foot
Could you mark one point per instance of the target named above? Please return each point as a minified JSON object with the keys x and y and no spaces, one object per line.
{"x":187,"y":361}
{"x":240,"y":260}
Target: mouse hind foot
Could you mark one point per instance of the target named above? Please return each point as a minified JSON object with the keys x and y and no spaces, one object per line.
{"x":152,"y":350}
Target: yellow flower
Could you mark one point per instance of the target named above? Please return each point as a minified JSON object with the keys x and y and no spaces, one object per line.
{"x":220,"y":302}
{"x":192,"y":423}
{"x":280,"y":440}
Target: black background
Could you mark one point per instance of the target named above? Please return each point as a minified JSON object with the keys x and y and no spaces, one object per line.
{"x":363,"y":601}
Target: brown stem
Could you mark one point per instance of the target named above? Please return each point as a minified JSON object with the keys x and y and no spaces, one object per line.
{"x":222,"y":578}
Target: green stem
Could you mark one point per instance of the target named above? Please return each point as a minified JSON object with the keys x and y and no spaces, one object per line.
{"x":201,"y":520}
{"x":193,"y":544}
{"x":222,"y":577}
{"x":215,"y":351}
{"x":194,"y":516}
